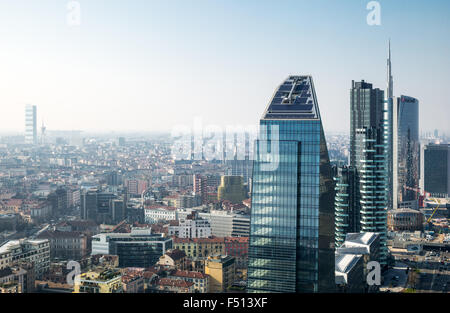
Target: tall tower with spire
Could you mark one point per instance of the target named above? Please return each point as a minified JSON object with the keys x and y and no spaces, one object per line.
{"x":390,"y":135}
{"x":390,"y":82}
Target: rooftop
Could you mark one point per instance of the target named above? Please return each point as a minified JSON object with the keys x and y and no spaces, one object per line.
{"x":359,"y":239}
{"x":176,"y":254}
{"x":5,"y":247}
{"x":345,"y":262}
{"x":189,"y":274}
{"x":294,"y":99}
{"x":174,"y":283}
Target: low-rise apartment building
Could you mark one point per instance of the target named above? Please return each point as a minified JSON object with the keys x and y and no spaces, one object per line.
{"x":35,"y":251}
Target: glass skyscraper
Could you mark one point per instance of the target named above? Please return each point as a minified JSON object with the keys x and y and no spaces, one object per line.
{"x":407,"y":149}
{"x":369,"y":155}
{"x":437,"y":169}
{"x":292,"y":221}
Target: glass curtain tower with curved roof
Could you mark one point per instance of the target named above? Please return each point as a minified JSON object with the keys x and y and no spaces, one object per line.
{"x":292,"y":222}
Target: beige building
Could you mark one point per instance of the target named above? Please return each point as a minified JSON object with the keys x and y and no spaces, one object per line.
{"x":222,"y":272}
{"x":99,"y":281}
{"x":200,"y":247}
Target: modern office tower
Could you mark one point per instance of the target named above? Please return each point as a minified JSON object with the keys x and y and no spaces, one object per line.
{"x":292,"y":221}
{"x":232,"y":189}
{"x":102,"y":211}
{"x":437,"y":169}
{"x":30,"y":124}
{"x":369,"y":155}
{"x":366,"y":111}
{"x":140,"y":248}
{"x":88,"y":200}
{"x":104,"y":202}
{"x":346,"y":204}
{"x":118,"y":210}
{"x":406,"y":149}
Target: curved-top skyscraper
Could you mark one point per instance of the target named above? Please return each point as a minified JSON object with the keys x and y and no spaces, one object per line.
{"x":292,"y":222}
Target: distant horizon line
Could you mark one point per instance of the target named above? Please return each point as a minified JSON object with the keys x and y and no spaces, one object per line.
{"x":159,"y":131}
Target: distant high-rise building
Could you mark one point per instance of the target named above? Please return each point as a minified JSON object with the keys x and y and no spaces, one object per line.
{"x":58,"y":200}
{"x":113,"y":178}
{"x":88,"y":200}
{"x":200,"y":187}
{"x":118,"y":210}
{"x":437,"y":169}
{"x":406,"y":150}
{"x":232,"y":189}
{"x":30,"y":124}
{"x":390,"y":80}
{"x":292,"y":220}
{"x":366,"y":111}
{"x":369,"y":155}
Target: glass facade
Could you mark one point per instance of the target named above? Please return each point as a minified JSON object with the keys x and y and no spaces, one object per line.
{"x":346,"y":203}
{"x":292,"y":223}
{"x":370,"y":132}
{"x":437,"y":170}
{"x":408,"y":148}
{"x":371,"y":172}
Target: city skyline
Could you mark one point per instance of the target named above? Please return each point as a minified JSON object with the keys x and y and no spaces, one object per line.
{"x":175,"y":147}
{"x":125,"y":65}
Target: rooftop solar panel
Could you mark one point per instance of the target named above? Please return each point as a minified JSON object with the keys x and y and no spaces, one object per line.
{"x":293,"y":99}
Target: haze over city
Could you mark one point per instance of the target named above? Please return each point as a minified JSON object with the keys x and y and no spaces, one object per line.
{"x":150,"y":65}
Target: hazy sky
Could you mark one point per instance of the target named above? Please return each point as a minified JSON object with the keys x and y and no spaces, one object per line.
{"x":148,"y":65}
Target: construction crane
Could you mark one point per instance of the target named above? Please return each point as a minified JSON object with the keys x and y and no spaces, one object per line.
{"x":426,"y":195}
{"x":437,"y":207}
